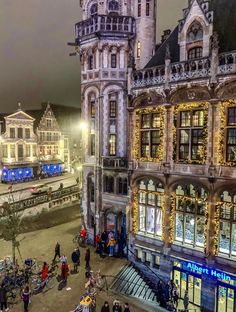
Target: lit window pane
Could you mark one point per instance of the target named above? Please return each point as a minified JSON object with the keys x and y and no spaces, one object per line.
{"x":179,"y":227}
{"x":151,"y":199}
{"x":156,"y":121}
{"x":200,"y":232}
{"x":142,"y":197}
{"x":159,"y":222}
{"x":145,"y":121}
{"x":150,"y":220}
{"x":224,"y":237}
{"x":184,"y":136}
{"x":198,"y":118}
{"x":185,"y":119}
{"x":233,"y":239}
{"x":189,"y":229}
{"x":142,"y":218}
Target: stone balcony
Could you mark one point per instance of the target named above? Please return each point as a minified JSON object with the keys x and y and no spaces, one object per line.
{"x":114,"y":163}
{"x":103,"y":74}
{"x":183,"y":71}
{"x":105,"y":25}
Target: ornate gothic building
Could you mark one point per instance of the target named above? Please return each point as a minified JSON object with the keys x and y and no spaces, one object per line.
{"x":183,"y":153}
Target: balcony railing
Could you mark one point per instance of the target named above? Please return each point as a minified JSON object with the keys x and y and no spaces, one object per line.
{"x":105,"y":24}
{"x":182,"y":71}
{"x":115,"y":163}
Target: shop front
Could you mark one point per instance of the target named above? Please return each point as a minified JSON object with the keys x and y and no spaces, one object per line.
{"x":207,"y":287}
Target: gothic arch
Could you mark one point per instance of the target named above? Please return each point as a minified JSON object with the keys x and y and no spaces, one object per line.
{"x":185,"y":94}
{"x":135,"y":180}
{"x":186,"y":182}
{"x":227,"y":90}
{"x":88,"y":7}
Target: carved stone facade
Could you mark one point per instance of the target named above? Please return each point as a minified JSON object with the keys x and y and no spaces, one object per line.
{"x":183,"y":162}
{"x":107,"y":36}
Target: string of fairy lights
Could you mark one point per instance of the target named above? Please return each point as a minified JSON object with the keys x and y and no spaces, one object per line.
{"x":168,"y":216}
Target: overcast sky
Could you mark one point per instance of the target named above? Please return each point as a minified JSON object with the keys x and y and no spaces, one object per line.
{"x":34,"y":57}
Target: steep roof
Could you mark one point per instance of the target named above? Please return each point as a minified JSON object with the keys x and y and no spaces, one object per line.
{"x":159,"y":56}
{"x":225,"y":23}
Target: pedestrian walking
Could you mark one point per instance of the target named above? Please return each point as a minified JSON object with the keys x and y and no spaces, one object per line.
{"x":44,"y":272}
{"x":63,"y":259}
{"x":75,"y":257}
{"x":111,"y":244}
{"x":116,"y":306}
{"x":3,"y":298}
{"x":126,"y":308}
{"x":57,"y":252}
{"x":186,"y":301}
{"x":175,"y":296}
{"x":64,"y":271}
{"x":104,"y":240}
{"x":105,"y":307}
{"x":100,"y":248}
{"x":87,"y":259}
{"x":97,"y":241}
{"x":25,"y":295}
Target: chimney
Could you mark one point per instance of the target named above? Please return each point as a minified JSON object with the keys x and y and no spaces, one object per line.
{"x":166,"y":34}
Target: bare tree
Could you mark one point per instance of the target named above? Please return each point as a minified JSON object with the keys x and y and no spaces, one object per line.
{"x":10,"y":222}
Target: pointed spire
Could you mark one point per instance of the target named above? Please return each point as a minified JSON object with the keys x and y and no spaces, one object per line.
{"x":19,"y":106}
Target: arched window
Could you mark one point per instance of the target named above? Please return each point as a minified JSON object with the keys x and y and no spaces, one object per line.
{"x":195,"y":32}
{"x":113,"y":6}
{"x":195,"y":53}
{"x":227,"y":230}
{"x":151,"y":199}
{"x":122,"y":186}
{"x":190,"y":205}
{"x":94,"y":9}
{"x":108,"y":184}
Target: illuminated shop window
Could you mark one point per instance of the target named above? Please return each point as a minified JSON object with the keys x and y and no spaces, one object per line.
{"x":151,"y":197}
{"x":150,"y":135}
{"x":190,"y":205}
{"x":191,"y":135}
{"x":227,"y":231}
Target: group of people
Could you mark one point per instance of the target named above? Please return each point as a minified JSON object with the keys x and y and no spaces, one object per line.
{"x":106,"y":242}
{"x":168,"y":294}
{"x":116,"y":307}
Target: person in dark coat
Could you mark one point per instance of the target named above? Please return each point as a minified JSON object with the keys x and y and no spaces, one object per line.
{"x":104,"y":238}
{"x":3,"y":298}
{"x":57,"y":251}
{"x":127,"y":309}
{"x":75,"y":257}
{"x":100,"y":249}
{"x":25,"y":295}
{"x":116,"y":306}
{"x":87,"y":259}
{"x":105,"y":307}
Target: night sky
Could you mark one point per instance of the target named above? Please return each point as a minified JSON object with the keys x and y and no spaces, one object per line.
{"x":34,"y":57}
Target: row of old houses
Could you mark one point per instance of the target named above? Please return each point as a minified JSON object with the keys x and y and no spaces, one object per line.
{"x":35,"y":144}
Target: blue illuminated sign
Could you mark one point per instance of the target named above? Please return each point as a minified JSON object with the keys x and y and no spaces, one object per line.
{"x":207,"y":271}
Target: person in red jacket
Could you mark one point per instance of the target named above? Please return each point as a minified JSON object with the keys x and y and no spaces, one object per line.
{"x":44,"y":272}
{"x":64,"y":271}
{"x":83,"y":235}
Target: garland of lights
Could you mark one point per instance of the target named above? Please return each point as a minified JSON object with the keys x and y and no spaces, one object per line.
{"x":221,"y":133}
{"x":160,"y":110}
{"x":203,"y":150}
{"x":216,"y":220}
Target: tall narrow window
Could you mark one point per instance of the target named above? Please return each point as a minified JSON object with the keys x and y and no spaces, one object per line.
{"x":113,"y":60}
{"x":92,"y":144}
{"x":94,"y":9}
{"x":112,"y":109}
{"x":90,"y":62}
{"x":150,"y":135}
{"x":92,"y":109}
{"x":190,"y":206}
{"x":49,"y":123}
{"x":139,"y":8}
{"x":12,"y":133}
{"x":20,"y":133}
{"x":27,"y":133}
{"x":147,"y":7}
{"x":12,"y":151}
{"x":112,"y":145}
{"x":138,"y":49}
{"x":231,"y":135}
{"x":191,"y":135}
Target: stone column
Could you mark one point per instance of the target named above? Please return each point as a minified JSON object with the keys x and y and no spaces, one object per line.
{"x":211,"y":230}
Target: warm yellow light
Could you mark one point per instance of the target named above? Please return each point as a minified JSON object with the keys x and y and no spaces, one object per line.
{"x":83,"y":126}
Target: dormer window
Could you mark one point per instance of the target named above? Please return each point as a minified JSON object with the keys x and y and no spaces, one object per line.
{"x":195,"y":32}
{"x":113,"y":7}
{"x":94,"y":10}
{"x":195,"y":53}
